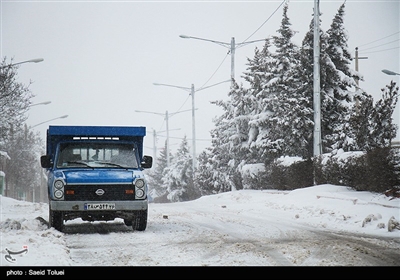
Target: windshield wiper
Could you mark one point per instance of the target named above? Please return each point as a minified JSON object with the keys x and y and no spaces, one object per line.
{"x":112,"y":164}
{"x":80,"y":162}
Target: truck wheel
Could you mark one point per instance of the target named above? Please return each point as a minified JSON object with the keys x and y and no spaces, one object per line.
{"x":56,"y":220}
{"x":140,"y":220}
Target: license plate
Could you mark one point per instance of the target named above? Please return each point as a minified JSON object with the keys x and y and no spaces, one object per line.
{"x":99,"y":206}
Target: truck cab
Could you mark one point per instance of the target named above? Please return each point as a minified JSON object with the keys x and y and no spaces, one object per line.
{"x":96,"y":173}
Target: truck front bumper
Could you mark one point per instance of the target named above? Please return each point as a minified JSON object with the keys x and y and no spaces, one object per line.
{"x":71,"y":206}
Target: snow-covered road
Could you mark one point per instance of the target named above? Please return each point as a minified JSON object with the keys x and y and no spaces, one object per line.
{"x":228,"y":232}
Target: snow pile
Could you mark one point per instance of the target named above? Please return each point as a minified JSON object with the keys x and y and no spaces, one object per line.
{"x":24,"y":228}
{"x":340,"y":208}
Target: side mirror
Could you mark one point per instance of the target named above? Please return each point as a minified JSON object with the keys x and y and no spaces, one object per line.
{"x":45,"y":161}
{"x":147,"y":162}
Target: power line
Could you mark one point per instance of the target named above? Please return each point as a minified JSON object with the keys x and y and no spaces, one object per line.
{"x":215,"y":71}
{"x":380,"y":39}
{"x":264,"y":21}
{"x":381,"y":45}
{"x":382,"y":50}
{"x":184,"y":103}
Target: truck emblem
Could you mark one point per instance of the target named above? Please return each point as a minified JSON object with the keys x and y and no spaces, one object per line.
{"x":99,"y":192}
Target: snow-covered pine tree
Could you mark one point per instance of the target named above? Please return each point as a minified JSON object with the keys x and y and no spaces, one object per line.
{"x":361,"y":122}
{"x":217,"y":165}
{"x":243,"y":106}
{"x":338,"y":100}
{"x":284,"y":126}
{"x":372,"y":125}
{"x":214,"y":173}
{"x":155,"y":174}
{"x":258,"y":75}
{"x":178,"y":177}
{"x":384,"y":130}
{"x":204,"y":176}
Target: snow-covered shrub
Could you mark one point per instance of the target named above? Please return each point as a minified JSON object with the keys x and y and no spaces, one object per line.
{"x":341,"y":168}
{"x":376,"y":170}
{"x":289,"y":173}
{"x":382,"y":170}
{"x":253,"y":176}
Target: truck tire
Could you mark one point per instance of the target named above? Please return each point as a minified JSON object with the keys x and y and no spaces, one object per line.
{"x":139,"y":222}
{"x":56,"y":220}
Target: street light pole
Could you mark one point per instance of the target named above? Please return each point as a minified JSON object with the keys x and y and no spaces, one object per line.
{"x":192,"y":92}
{"x":62,"y":117}
{"x":193,"y":130}
{"x":232,"y":48}
{"x":36,"y":60}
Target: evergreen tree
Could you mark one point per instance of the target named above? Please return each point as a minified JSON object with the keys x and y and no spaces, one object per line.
{"x":242,"y":105}
{"x":283,"y":123}
{"x":206,"y":177}
{"x":338,"y":100}
{"x":258,"y":75}
{"x":216,"y":171}
{"x":155,"y":175}
{"x":338,"y":51}
{"x":384,"y":130}
{"x":178,"y":177}
{"x":361,"y":122}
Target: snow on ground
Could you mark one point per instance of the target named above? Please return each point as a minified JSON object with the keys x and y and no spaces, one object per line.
{"x":323,"y":207}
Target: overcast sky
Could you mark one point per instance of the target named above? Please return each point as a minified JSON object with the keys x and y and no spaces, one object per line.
{"x":102,"y":58}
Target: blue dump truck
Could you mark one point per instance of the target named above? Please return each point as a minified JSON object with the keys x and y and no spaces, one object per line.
{"x":96,"y":173}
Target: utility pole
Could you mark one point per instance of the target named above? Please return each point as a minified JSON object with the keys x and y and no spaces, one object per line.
{"x":356,"y":58}
{"x":316,"y":97}
{"x":356,"y":62}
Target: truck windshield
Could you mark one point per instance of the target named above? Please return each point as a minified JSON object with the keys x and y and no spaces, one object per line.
{"x":96,"y":155}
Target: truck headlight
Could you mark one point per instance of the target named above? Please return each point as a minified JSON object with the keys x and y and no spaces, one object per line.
{"x":58,"y":189}
{"x":139,"y":183}
{"x":58,"y":184}
{"x":140,"y":192}
{"x":58,"y":194}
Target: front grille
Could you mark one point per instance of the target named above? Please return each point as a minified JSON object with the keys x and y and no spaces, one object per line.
{"x":88,"y":192}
